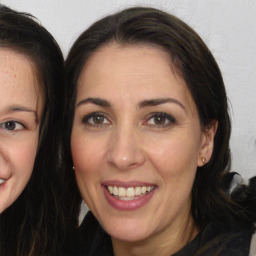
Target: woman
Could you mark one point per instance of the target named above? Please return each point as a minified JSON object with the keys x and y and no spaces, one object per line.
{"x":31,"y":69}
{"x":149,"y":130}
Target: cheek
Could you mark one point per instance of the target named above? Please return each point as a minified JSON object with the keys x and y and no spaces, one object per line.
{"x":85,"y":154}
{"x":87,"y":160}
{"x":23,"y":156}
{"x":175,"y":163}
{"x":21,"y":160}
{"x":175,"y":156}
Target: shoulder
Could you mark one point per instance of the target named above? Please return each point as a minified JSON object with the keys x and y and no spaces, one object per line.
{"x":218,"y":240}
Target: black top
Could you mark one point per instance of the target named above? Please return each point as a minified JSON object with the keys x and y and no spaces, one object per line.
{"x":213,"y":240}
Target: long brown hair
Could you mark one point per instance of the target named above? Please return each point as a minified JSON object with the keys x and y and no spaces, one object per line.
{"x":35,"y":223}
{"x":196,"y":65}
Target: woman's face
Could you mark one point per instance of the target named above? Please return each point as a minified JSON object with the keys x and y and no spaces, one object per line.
{"x":21,"y":105}
{"x":136,"y":142}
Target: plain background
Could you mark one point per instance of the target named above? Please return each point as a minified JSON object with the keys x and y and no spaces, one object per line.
{"x":227,"y":26}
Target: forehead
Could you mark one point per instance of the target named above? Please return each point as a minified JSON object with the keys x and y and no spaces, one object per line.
{"x":17,"y":70}
{"x":122,"y":58}
{"x":19,"y":78}
{"x":144,"y":70}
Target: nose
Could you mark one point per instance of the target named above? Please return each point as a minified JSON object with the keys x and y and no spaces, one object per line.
{"x":125,"y":151}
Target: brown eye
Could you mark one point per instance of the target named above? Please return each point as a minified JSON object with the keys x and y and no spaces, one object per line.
{"x":11,"y":126}
{"x":98,"y":119}
{"x":95,"y":119}
{"x":161,"y":120}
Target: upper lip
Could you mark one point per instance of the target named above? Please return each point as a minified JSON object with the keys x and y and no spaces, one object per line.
{"x":5,"y":176}
{"x":127,"y":184}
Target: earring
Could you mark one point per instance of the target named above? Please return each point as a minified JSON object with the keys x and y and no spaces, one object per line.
{"x":203,"y":159}
{"x":73,"y":168}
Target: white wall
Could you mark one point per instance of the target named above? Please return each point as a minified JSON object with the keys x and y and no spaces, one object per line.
{"x":227,"y":26}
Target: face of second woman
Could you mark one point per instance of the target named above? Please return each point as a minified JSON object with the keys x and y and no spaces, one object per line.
{"x":136,"y":142}
{"x":21,"y":106}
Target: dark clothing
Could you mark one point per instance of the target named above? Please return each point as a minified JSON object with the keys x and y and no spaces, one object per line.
{"x":213,"y":240}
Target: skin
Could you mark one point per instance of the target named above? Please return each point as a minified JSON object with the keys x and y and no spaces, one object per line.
{"x":129,"y":144}
{"x":21,"y":106}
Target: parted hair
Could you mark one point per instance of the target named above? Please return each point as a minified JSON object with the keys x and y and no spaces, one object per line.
{"x":34,"y":224}
{"x":193,"y":62}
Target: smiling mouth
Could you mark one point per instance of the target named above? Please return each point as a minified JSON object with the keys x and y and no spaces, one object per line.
{"x":130,"y":193}
{"x":2,"y":181}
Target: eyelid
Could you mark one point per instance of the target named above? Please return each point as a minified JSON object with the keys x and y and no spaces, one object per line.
{"x":94,"y":114}
{"x":169,"y":117}
{"x":14,"y":121}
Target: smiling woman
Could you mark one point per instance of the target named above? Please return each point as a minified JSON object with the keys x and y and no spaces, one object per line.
{"x":139,"y":141}
{"x":21,"y":108}
{"x":149,"y":128}
{"x":31,"y":68}
{"x":131,"y":134}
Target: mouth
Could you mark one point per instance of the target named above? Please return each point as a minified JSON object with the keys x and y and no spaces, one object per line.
{"x":130,"y":193}
{"x":2,"y":181}
{"x":128,"y":197}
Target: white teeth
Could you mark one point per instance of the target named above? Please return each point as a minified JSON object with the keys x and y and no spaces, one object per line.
{"x":110,"y":189}
{"x":2,"y":181}
{"x":138,"y":191}
{"x":129,"y":193}
{"x":122,"y":192}
{"x":115,"y":191}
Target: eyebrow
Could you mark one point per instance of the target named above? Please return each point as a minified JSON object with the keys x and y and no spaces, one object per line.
{"x":17,"y":108}
{"x":144,"y":103}
{"x":96,"y":101}
{"x":156,"y":102}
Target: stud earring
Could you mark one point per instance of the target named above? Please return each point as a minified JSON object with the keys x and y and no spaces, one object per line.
{"x":73,"y":168}
{"x":203,"y":159}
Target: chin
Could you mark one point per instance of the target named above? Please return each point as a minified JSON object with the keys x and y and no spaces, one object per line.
{"x":132,"y":237}
{"x":129,"y":231}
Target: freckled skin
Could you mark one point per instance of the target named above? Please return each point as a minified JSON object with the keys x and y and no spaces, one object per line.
{"x":19,"y":89}
{"x":129,"y":148}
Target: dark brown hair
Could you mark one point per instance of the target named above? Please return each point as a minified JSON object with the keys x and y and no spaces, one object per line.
{"x":34,"y":223}
{"x":196,"y":65}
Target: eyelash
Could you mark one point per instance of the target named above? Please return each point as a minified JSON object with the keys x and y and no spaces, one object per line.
{"x":166,"y":117}
{"x":12,"y":122}
{"x":87,"y":118}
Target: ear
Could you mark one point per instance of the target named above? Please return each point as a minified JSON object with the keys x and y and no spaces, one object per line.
{"x":207,"y":143}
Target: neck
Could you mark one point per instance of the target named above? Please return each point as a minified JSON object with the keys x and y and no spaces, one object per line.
{"x":164,"y":243}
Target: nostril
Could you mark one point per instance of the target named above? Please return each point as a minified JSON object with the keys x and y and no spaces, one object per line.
{"x":126,"y":162}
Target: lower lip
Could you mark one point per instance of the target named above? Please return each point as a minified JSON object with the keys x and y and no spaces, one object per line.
{"x":127,"y":205}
